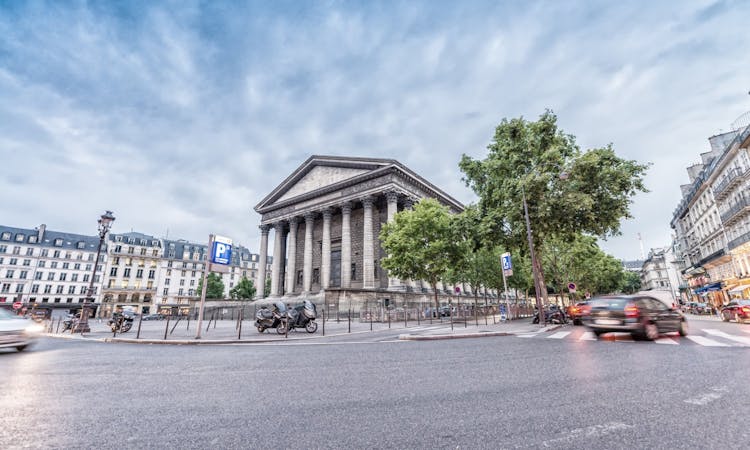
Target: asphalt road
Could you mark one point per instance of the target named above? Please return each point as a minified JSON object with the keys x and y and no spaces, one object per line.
{"x":490,"y":392}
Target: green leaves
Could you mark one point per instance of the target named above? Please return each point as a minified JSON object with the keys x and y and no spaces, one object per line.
{"x":215,"y":287}
{"x":244,"y":290}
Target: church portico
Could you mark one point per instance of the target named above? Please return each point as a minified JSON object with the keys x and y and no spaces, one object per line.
{"x":327,"y":217}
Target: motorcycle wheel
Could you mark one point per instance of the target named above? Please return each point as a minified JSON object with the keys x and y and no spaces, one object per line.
{"x":311,"y":327}
{"x":125,"y":328}
{"x":281,"y":329}
{"x":536,"y":320}
{"x":261,"y":329}
{"x":114,"y":328}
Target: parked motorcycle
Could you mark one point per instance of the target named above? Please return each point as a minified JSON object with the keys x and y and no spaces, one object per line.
{"x":303,"y":316}
{"x":267,"y":318}
{"x":121,"y":322}
{"x":69,"y":322}
{"x":552,"y":315}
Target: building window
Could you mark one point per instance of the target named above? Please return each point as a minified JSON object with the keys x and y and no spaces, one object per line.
{"x":66,"y":265}
{"x":5,"y":236}
{"x":34,"y":288}
{"x":3,"y":248}
{"x":59,"y":289}
{"x":139,"y":273}
{"x":58,"y":242}
{"x":77,"y":266}
{"x":71,"y":290}
{"x":16,"y":250}
{"x":24,"y":274}
{"x":126,"y":272}
{"x":63,"y":276}
{"x":182,"y":282}
{"x":56,"y":254}
{"x":166,"y":281}
{"x":113,"y":272}
{"x":81,"y":245}
{"x":26,"y":262}
{"x":29,"y":251}
{"x":316,"y":276}
{"x":50,"y":276}
{"x":45,"y":252}
{"x":53,"y":265}
{"x":9,"y":273}
{"x":19,"y":288}
{"x":13,"y":261}
{"x":5,"y":288}
{"x":38,"y":275}
{"x":151,"y":274}
{"x":32,"y":239}
{"x":47,"y":288}
{"x":354,"y":271}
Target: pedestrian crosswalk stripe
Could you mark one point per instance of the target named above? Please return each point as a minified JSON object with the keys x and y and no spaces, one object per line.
{"x":700,"y":340}
{"x":559,"y":335}
{"x":666,"y":341}
{"x":741,"y":339}
{"x":527,"y":335}
{"x":587,"y":336}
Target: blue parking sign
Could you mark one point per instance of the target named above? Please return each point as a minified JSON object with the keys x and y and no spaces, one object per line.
{"x":222,"y":250}
{"x":507,"y":264}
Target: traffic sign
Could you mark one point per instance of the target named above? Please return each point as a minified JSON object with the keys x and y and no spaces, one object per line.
{"x":17,"y":305}
{"x":222,"y":250}
{"x":571,"y":287}
{"x":507,"y":264}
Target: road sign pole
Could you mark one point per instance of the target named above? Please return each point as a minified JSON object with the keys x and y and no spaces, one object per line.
{"x":507,"y":305}
{"x":205,"y":285}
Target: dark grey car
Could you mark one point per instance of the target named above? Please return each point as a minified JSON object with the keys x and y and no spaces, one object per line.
{"x":642,"y":316}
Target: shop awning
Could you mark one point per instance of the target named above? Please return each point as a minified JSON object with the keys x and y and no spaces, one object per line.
{"x":739,"y":289}
{"x":709,"y":288}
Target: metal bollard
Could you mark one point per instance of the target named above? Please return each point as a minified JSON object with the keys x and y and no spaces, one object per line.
{"x":370,"y":313}
{"x":188,"y":323}
{"x":59,"y":319}
{"x":239,"y":333}
{"x":324,"y":322}
{"x":175,"y":325}
{"x":138,"y":332}
{"x":389,"y":319}
{"x":349,"y":317}
{"x":166,"y":328}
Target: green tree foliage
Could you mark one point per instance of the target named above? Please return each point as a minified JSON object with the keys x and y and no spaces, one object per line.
{"x":244,"y":290}
{"x":267,"y":289}
{"x":568,"y":191}
{"x":215,"y":288}
{"x":631,"y":282}
{"x":420,"y":244}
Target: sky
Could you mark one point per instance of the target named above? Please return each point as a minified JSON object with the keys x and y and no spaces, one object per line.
{"x":181,"y":116}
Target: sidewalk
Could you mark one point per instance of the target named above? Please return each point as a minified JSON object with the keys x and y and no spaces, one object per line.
{"x":183,"y":332}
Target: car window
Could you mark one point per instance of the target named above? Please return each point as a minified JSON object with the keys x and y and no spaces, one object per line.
{"x":6,"y":315}
{"x":609,"y":303}
{"x":657,"y":304}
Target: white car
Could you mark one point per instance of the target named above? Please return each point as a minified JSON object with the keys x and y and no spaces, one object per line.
{"x":17,"y":331}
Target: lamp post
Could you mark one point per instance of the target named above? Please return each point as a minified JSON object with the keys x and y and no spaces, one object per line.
{"x":105,"y":223}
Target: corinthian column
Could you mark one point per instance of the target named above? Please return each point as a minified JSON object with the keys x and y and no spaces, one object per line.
{"x":346,"y":245}
{"x":277,"y":258}
{"x":392,"y":197}
{"x":307,"y":269}
{"x":368,"y":265}
{"x":291,"y":261}
{"x":262,"y":259}
{"x":325,"y":270}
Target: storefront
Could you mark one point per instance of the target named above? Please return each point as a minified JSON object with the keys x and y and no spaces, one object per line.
{"x":711,"y":294}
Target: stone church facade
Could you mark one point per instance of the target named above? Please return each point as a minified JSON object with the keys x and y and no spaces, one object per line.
{"x":326,"y":218}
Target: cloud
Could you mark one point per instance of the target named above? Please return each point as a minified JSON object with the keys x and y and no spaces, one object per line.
{"x":184,"y":115}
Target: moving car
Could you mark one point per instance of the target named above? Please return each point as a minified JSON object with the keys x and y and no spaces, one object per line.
{"x":738,"y":310}
{"x":153,"y":317}
{"x":577,"y":311}
{"x":16,"y":331}
{"x":642,"y":316}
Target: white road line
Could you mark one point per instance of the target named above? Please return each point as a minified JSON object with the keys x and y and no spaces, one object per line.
{"x":559,"y":335}
{"x":746,"y":330}
{"x":666,"y":341}
{"x":741,"y":339}
{"x":587,"y":336}
{"x":527,"y":335}
{"x":700,"y":340}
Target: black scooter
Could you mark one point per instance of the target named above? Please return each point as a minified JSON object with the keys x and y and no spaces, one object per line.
{"x":271,"y":318}
{"x":121,"y":323}
{"x":303,"y":316}
{"x":553,"y":315}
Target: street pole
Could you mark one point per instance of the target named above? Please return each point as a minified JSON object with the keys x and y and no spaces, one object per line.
{"x":205,"y":284}
{"x":537,"y":288}
{"x":82,"y":326}
{"x":507,"y":305}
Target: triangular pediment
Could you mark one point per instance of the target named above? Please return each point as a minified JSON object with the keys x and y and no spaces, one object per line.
{"x":319,"y":177}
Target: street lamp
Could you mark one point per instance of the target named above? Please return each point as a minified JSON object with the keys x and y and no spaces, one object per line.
{"x":105,"y":223}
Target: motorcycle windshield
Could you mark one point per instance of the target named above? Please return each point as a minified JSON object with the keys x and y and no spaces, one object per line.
{"x":280,"y":306}
{"x":309,"y":305}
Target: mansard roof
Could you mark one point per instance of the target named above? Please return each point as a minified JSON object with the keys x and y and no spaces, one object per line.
{"x":321,"y":175}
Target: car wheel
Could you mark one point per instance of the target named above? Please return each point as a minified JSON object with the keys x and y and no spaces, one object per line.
{"x":738,"y":318}
{"x":683,"y":328}
{"x":21,"y":348}
{"x":598,"y":333}
{"x":725,"y":318}
{"x":577,"y":322}
{"x":650,"y":331}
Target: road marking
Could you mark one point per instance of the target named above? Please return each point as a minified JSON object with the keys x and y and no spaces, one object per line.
{"x":700,"y":340}
{"x":666,"y":341}
{"x":708,"y":397}
{"x":587,"y":336}
{"x":559,"y":335}
{"x":587,"y":433}
{"x":527,"y":335}
{"x":741,"y":339}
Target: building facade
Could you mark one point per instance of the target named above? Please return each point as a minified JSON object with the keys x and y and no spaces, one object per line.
{"x":712,"y":221}
{"x":326,"y":218}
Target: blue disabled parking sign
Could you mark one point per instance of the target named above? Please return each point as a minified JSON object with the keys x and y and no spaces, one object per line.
{"x":221,"y":253}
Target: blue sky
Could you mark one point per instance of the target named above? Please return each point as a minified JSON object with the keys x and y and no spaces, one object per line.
{"x":182,"y":116}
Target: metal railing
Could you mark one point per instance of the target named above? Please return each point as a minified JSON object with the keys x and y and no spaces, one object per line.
{"x":736,"y":242}
{"x":733,"y":213}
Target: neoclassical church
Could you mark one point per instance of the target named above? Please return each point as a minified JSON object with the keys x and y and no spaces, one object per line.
{"x":326,"y":218}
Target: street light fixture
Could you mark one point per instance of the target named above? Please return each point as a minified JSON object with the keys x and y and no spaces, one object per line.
{"x":105,"y":223}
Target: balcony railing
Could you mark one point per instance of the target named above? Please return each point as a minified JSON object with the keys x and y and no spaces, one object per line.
{"x":736,"y":242}
{"x":734,"y":212}
{"x":733,"y":177}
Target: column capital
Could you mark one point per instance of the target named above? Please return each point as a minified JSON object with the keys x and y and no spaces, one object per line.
{"x":264,"y":229}
{"x":409,"y":202}
{"x":346,"y":208}
{"x":309,"y":217}
{"x":327,"y":213}
{"x":367,"y":201}
{"x":279,"y":225}
{"x":293,"y":221}
{"x":392,"y":196}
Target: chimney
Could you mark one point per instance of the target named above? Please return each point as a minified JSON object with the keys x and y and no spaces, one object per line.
{"x":40,"y":232}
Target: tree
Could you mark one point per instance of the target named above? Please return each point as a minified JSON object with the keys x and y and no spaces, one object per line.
{"x":267,"y":290}
{"x":215,"y":288}
{"x":419,"y":244}
{"x":630,"y":283}
{"x":567,"y":191}
{"x":244,"y":290}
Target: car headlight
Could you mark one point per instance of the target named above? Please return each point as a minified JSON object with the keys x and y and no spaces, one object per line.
{"x":34,"y":328}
